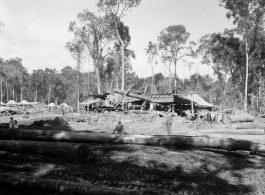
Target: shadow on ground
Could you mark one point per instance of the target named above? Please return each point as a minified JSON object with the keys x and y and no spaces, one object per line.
{"x":163,"y":170}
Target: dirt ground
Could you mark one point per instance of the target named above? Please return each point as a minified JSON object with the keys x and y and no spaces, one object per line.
{"x":158,"y":169}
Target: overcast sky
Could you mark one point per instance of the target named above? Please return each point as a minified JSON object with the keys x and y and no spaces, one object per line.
{"x":37,"y":30}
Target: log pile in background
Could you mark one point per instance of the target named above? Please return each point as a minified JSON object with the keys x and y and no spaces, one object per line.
{"x":241,"y":118}
{"x":249,"y":126}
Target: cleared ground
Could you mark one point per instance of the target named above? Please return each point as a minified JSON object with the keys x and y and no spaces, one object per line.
{"x":159,"y":169}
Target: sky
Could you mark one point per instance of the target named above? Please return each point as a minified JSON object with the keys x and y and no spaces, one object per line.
{"x":37,"y":30}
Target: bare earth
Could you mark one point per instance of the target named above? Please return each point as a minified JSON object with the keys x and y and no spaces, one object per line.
{"x":158,"y":169}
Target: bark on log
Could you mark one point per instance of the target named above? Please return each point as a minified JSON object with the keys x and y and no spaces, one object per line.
{"x":225,"y":143}
{"x":139,"y":111}
{"x":241,"y":118}
{"x":249,"y":126}
{"x":64,"y":187}
{"x":231,"y":131}
{"x":65,"y":150}
{"x":63,"y":136}
{"x":129,"y":94}
{"x":260,"y":139}
{"x":162,"y":114}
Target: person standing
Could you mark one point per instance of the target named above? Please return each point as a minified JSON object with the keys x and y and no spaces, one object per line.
{"x":169,"y":123}
{"x":63,"y":109}
{"x":11,"y":129}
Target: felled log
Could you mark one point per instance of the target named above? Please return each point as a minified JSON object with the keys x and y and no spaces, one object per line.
{"x":241,"y":118}
{"x":64,"y":136}
{"x":231,"y":131}
{"x":225,"y":111}
{"x":64,"y":187}
{"x":129,"y":94}
{"x":65,"y":150}
{"x":262,"y":116}
{"x":260,"y":139}
{"x":139,"y":111}
{"x":249,"y":126}
{"x":161,"y":114}
{"x":155,"y":140}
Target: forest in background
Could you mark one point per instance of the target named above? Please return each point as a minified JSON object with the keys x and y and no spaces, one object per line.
{"x":236,"y":56}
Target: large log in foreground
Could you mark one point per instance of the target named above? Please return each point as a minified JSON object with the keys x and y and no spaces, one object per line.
{"x":155,"y":140}
{"x":64,"y":187}
{"x":231,"y":131}
{"x":65,"y":150}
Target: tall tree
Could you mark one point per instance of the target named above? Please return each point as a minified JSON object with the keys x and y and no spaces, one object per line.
{"x":92,"y":31}
{"x":152,"y":52}
{"x":115,"y":10}
{"x":76,"y":47}
{"x":248,"y":15}
{"x":173,"y":40}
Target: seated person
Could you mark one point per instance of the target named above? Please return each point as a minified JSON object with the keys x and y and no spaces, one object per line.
{"x":119,"y":129}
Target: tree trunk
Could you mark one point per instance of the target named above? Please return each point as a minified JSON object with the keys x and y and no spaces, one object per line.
{"x":240,"y":142}
{"x":1,"y":89}
{"x":21,"y":93}
{"x":129,"y":94}
{"x":175,"y":82}
{"x":258,"y":98}
{"x":77,"y":81}
{"x":65,"y":150}
{"x":117,"y":83}
{"x":49,"y":94}
{"x":36,"y":95}
{"x":13,"y":92}
{"x":98,"y":79}
{"x":56,"y":102}
{"x":61,"y":186}
{"x":246,"y":82}
{"x":152,"y":82}
{"x":7,"y":92}
{"x":111,"y":85}
{"x":122,"y":56}
{"x":123,"y":68}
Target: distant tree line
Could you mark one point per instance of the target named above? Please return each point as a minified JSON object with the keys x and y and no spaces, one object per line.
{"x":237,"y":57}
